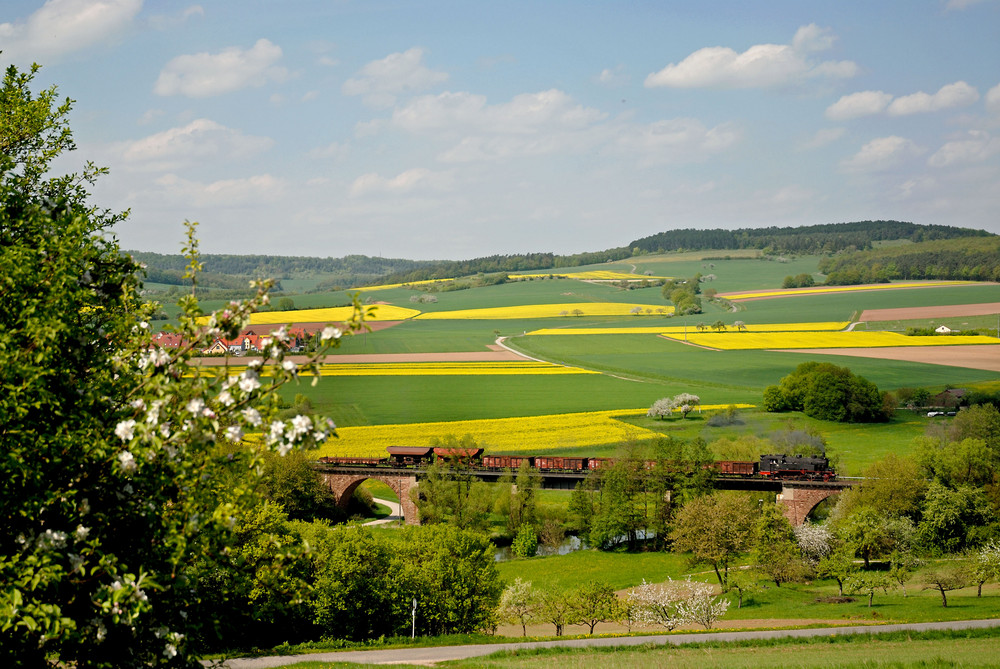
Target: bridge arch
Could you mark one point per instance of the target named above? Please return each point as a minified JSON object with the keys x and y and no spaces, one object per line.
{"x":797,"y":500}
{"x":344,"y":485}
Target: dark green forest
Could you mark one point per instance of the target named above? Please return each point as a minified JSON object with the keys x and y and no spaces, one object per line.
{"x":807,"y":239}
{"x":972,"y":258}
{"x":221,"y":270}
{"x":935,"y":252}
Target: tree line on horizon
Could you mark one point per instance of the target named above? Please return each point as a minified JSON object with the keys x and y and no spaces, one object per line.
{"x":806,"y":239}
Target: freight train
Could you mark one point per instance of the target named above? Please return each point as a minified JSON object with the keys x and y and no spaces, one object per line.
{"x":772,"y":466}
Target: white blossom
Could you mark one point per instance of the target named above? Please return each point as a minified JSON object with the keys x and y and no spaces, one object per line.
{"x":300,"y":425}
{"x":251,"y":416}
{"x":75,"y":562}
{"x":226,"y":399}
{"x":289,"y":366}
{"x":249,"y":381}
{"x":125,"y":430}
{"x":53,"y":539}
{"x":234,"y":433}
{"x":138,"y":404}
{"x":277,"y":430}
{"x":127,"y":461}
{"x":195,"y":406}
{"x":81,"y":532}
{"x":330,"y":332}
{"x":284,"y":448}
{"x":153,"y":415}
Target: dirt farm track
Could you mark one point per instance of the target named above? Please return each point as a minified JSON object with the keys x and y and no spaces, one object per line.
{"x":979,"y":356}
{"x":913,"y":313}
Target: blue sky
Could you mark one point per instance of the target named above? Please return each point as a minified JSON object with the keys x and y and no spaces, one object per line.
{"x":434,"y":130}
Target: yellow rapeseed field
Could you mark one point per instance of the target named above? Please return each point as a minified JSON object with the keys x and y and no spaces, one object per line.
{"x":842,"y":289}
{"x":380,"y":312}
{"x":564,"y":310}
{"x":594,"y":275}
{"x":732,"y":341}
{"x":498,"y":435}
{"x":675,"y":329}
{"x":448,"y":369}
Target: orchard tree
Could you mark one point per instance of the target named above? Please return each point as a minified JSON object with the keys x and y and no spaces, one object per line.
{"x":716,"y":529}
{"x":519,"y":604}
{"x":108,"y":440}
{"x":596,"y":602}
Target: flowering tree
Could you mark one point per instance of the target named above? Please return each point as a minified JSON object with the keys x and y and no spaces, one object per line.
{"x":111,"y":443}
{"x":659,"y":603}
{"x":519,"y":604}
{"x":986,"y":565}
{"x":701,"y":606}
{"x":661,"y":407}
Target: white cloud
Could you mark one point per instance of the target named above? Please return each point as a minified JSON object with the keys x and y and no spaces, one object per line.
{"x":882,"y":153}
{"x":959,"y":5}
{"x":675,"y":140}
{"x":760,"y":66}
{"x":612,"y":76}
{"x":204,"y":74}
{"x":958,"y":94}
{"x":331,"y":150}
{"x":993,"y":99}
{"x":168,"y":21}
{"x":979,"y":147}
{"x":823,"y":137}
{"x":227,"y":193}
{"x":418,"y":179}
{"x":381,"y":81}
{"x":528,"y":113}
{"x":65,"y":26}
{"x":195,"y":143}
{"x":856,"y":105}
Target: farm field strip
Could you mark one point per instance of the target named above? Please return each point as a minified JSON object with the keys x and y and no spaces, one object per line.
{"x":784,"y":292}
{"x":594,"y":275}
{"x":382,"y":312}
{"x":734,"y":341}
{"x":524,"y":434}
{"x":679,"y":329}
{"x":448,"y":369}
{"x":546,"y":311}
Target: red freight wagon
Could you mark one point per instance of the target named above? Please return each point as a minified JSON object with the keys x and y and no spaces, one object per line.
{"x":409,"y":455}
{"x":546,"y":462}
{"x":506,"y":461}
{"x":736,"y":468}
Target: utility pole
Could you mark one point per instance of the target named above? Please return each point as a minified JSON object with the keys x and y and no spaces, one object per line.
{"x":413,"y":630}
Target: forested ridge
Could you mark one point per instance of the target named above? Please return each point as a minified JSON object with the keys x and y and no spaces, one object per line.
{"x":974,"y":259}
{"x":808,"y":239}
{"x":927,"y":257}
{"x":221,"y":270}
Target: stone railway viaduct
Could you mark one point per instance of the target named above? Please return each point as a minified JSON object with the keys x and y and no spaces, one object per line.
{"x":797,"y":499}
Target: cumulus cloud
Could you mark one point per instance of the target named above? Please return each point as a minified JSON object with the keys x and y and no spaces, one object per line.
{"x":823,"y":137}
{"x":856,"y":105}
{"x":882,"y":153}
{"x":675,"y":140}
{"x":198,"y":141}
{"x":959,"y":5}
{"x":418,"y":179}
{"x":958,"y":94}
{"x":203,"y":75}
{"x":528,"y":113}
{"x":381,"y":81}
{"x":228,"y":193}
{"x":168,"y":21}
{"x":61,"y":27}
{"x":612,"y":76}
{"x":760,"y":66}
{"x":993,"y":99}
{"x":978,"y":147}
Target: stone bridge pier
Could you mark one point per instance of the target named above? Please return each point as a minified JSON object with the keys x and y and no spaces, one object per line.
{"x":344,"y":485}
{"x":797,"y":500}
